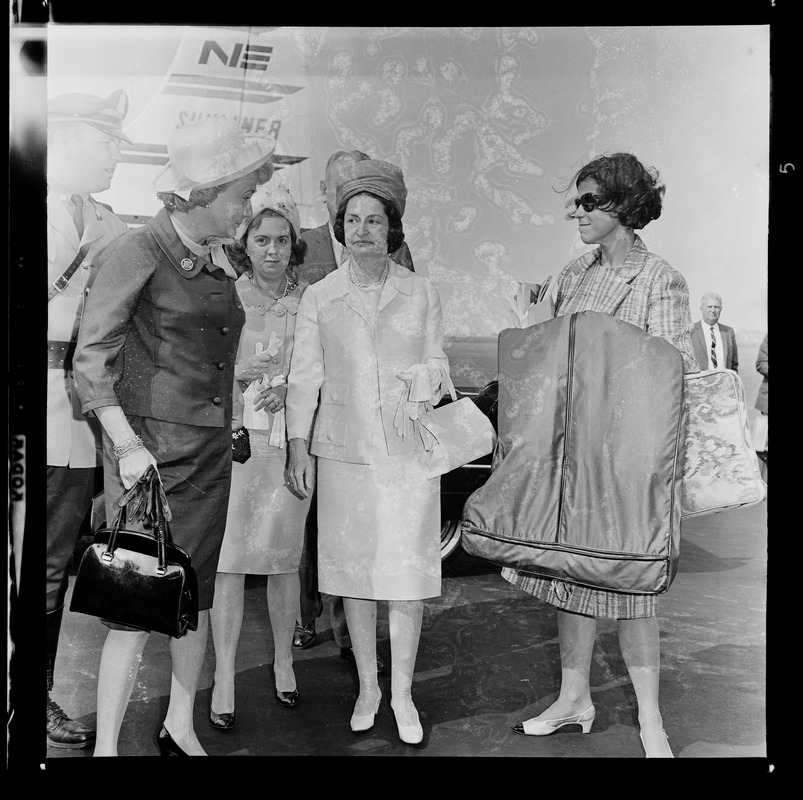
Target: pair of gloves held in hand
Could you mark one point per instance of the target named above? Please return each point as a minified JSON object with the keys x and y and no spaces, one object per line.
{"x":423,"y":383}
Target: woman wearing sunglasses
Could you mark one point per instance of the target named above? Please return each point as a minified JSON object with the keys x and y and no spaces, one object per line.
{"x":617,"y":196}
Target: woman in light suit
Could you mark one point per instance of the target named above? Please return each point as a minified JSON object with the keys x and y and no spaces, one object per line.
{"x":368,"y":355}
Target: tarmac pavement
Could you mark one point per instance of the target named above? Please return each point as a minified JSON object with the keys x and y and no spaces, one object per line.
{"x":488,"y":658}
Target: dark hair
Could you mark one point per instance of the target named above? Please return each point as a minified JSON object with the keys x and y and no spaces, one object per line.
{"x":205,"y":197}
{"x":355,"y":155}
{"x":628,"y":188}
{"x":238,"y":255}
{"x":198,"y":197}
{"x":395,"y":229}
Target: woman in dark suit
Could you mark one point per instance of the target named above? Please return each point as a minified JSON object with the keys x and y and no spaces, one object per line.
{"x":155,"y":364}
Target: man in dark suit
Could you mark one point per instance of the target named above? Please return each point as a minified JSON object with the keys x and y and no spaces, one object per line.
{"x":714,"y":344}
{"x":324,"y":255}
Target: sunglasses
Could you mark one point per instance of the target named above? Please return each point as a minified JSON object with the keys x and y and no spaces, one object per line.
{"x":588,"y":201}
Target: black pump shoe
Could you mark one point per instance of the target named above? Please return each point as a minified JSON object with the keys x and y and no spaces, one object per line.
{"x":288,"y":699}
{"x":221,"y":722}
{"x":304,"y":636}
{"x":166,"y":745}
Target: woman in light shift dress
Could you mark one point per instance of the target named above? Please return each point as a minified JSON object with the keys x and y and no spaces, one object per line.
{"x":265,"y":522}
{"x":368,"y":355}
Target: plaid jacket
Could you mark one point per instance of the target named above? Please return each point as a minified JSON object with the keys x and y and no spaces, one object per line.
{"x":645,"y":291}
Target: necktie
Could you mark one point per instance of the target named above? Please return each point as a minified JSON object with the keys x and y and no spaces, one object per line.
{"x":713,"y":348}
{"x":344,"y":255}
{"x":78,"y":213}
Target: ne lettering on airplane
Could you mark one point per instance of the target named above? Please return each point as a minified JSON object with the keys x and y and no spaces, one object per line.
{"x":243,"y":56}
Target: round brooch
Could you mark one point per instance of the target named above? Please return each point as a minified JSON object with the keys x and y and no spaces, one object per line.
{"x":187,"y":264}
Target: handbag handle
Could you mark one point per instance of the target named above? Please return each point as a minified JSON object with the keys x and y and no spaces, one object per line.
{"x":160,"y":526}
{"x":118,"y":521}
{"x":157,"y":514}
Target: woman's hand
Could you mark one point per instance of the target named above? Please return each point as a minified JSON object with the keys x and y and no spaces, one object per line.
{"x":271,"y":397}
{"x":299,"y":474}
{"x":134,"y":464}
{"x":422,"y":381}
{"x":253,"y":367}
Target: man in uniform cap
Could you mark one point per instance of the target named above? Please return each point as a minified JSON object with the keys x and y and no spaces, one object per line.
{"x":324,"y":255}
{"x":83,"y":149}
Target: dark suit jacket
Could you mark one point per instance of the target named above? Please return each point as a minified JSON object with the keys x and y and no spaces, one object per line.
{"x":731,"y":357}
{"x":160,"y":332}
{"x":762,"y":365}
{"x":319,"y":259}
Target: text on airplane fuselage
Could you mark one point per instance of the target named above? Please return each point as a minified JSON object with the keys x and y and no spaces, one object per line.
{"x":243,"y":56}
{"x":270,"y":127}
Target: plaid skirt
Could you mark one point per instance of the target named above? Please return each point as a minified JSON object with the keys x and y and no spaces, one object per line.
{"x":584,"y":600}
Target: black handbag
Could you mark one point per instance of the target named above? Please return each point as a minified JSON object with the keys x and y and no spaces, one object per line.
{"x":139,"y":579}
{"x":240,"y":445}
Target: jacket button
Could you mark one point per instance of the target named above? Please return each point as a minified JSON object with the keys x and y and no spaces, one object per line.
{"x":330,"y":436}
{"x":333,"y":397}
{"x":275,"y":359}
{"x":224,"y":331}
{"x":221,"y":365}
{"x":217,"y":401}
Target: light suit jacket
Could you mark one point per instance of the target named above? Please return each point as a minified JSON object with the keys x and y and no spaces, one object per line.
{"x":731,"y":356}
{"x":319,"y":260}
{"x":339,"y":357}
{"x":72,"y":439}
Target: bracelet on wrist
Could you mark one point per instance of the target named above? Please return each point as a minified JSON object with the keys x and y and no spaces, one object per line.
{"x":127,"y":446}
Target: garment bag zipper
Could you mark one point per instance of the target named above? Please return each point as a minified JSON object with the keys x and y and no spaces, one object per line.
{"x":566,"y":423}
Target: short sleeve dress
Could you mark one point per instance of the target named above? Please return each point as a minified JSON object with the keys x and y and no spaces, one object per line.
{"x":265,"y":522}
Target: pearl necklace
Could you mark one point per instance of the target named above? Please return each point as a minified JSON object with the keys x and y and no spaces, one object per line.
{"x":359,"y":285}
{"x":289,"y":286}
